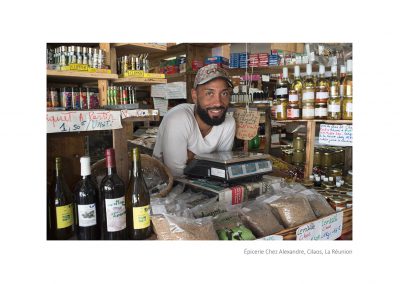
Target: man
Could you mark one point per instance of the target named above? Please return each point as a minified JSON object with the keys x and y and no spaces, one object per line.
{"x":199,"y":128}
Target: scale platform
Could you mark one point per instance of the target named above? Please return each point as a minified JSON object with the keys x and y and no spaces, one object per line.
{"x":229,"y":166}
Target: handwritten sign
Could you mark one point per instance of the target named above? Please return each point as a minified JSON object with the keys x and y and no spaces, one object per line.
{"x":271,"y":238}
{"x":327,"y":228}
{"x":138,"y":112}
{"x":161,"y":105}
{"x":75,"y":121}
{"x":336,"y":134}
{"x":246,"y":123}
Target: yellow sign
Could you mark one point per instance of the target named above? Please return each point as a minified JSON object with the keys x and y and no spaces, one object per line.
{"x":78,"y":67}
{"x":135,"y":73}
{"x":154,"y":75}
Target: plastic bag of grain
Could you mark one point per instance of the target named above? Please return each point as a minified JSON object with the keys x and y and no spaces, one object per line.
{"x":293,"y":210}
{"x":211,"y":208}
{"x":260,"y":219}
{"x":318,"y":203}
{"x":170,"y":227}
{"x":229,"y":226}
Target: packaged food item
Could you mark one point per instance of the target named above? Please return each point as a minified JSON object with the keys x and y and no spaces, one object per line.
{"x":294,"y":210}
{"x":169,"y":227}
{"x":260,"y":220}
{"x":210,"y":208}
{"x":318,"y":203}
{"x":229,"y":227}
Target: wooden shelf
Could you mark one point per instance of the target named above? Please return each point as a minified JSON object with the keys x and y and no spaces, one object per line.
{"x":269,"y":69}
{"x":137,"y":48}
{"x":140,"y":81}
{"x":78,"y":77}
{"x":317,"y":121}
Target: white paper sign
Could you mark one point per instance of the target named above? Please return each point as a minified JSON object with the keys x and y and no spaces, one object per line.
{"x":327,"y":228}
{"x":161,"y":105}
{"x":271,"y":238}
{"x":336,"y":134}
{"x":138,"y":112}
{"x":75,"y":121}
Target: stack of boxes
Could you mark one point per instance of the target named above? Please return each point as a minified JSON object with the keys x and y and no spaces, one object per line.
{"x":262,"y":59}
{"x":234,"y":60}
{"x":254,"y":60}
{"x":222,"y":62}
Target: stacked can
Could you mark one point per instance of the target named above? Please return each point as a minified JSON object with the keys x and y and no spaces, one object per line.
{"x":122,"y":95}
{"x":298,"y":151}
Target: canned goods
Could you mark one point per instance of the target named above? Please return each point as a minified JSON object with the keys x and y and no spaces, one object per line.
{"x":66,"y":98}
{"x":76,"y":102}
{"x":83,"y":98}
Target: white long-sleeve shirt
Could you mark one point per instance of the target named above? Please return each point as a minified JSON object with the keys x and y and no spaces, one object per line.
{"x":179,"y":132}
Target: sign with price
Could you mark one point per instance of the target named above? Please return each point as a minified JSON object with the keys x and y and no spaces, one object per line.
{"x":336,"y":134}
{"x":327,"y":228}
{"x":246,"y":123}
{"x":75,"y":121}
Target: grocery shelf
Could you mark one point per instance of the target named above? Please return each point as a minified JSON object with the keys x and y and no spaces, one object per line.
{"x":269,"y":69}
{"x":316,"y":120}
{"x":137,"y":48}
{"x":140,"y":81}
{"x":77,"y":76}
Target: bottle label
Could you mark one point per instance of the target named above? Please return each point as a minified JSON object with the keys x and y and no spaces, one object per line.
{"x":141,"y":217}
{"x":308,"y":112}
{"x":321,"y":111}
{"x":281,"y":91}
{"x":64,"y":216}
{"x":349,"y":107}
{"x":308,"y":96}
{"x":87,"y":215}
{"x":322,"y":95}
{"x":116,"y":214}
{"x":293,"y":113}
{"x":279,"y":108}
{"x":341,"y":90}
{"x":294,"y":98}
{"x":349,"y":90}
{"x":333,"y":108}
{"x":334,"y":91}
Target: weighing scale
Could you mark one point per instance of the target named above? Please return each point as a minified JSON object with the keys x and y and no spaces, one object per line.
{"x":229,"y":166}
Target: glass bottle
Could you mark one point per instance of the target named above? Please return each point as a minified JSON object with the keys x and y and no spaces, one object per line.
{"x":347,"y":102}
{"x":282,"y":88}
{"x":334,"y":102}
{"x":322,"y":87}
{"x":342,"y":80}
{"x":60,"y":206}
{"x":86,"y":201}
{"x":90,"y":56}
{"x":296,"y":87}
{"x":308,"y":87}
{"x":137,"y":202}
{"x":63,"y":57}
{"x":281,"y":109}
{"x":112,"y":202}
{"x":78,"y":55}
{"x":95,"y":58}
{"x":85,"y":55}
{"x":72,"y":55}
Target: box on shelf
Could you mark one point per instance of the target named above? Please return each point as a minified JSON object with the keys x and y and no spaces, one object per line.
{"x":175,"y":90}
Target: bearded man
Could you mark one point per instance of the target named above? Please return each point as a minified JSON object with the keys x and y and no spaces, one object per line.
{"x":200,"y":128}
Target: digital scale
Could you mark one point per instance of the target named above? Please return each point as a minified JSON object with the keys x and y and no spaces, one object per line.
{"x":229,"y":166}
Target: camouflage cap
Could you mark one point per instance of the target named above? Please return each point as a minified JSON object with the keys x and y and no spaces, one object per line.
{"x":211,"y":72}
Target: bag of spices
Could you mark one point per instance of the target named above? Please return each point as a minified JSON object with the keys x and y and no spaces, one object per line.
{"x":169,"y":227}
{"x":318,"y":203}
{"x":211,"y":208}
{"x":229,"y":227}
{"x":293,"y":210}
{"x":260,"y":219}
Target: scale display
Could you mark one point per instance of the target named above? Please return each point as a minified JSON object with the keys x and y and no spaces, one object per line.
{"x":228,"y":166}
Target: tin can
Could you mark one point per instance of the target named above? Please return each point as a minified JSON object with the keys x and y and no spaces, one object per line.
{"x":125,"y":98}
{"x":76,"y":102}
{"x":93,"y":98}
{"x":298,"y":143}
{"x":54,"y":98}
{"x":83,"y":98}
{"x":66,"y":98}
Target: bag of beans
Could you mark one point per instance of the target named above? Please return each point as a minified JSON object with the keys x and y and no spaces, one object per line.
{"x":318,"y":203}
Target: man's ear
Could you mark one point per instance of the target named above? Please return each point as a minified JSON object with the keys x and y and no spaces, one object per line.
{"x":194,"y":95}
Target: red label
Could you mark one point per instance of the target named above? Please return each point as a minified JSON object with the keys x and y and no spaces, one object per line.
{"x":237,"y":194}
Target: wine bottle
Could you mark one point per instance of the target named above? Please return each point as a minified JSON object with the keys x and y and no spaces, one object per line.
{"x":334,"y":108}
{"x":296,"y":87}
{"x":86,"y":204}
{"x":341,"y":80}
{"x":308,"y":87}
{"x":282,"y":88}
{"x":137,"y":202}
{"x":347,"y":102}
{"x":112,"y":202}
{"x":60,"y":206}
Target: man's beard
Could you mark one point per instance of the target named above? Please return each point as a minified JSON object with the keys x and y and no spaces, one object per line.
{"x":203,"y":114}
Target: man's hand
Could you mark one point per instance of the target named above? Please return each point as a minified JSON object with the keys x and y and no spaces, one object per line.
{"x":190,"y":156}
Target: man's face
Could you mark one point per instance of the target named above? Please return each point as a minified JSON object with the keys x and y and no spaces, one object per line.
{"x":212,"y":101}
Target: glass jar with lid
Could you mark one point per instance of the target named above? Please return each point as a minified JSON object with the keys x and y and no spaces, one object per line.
{"x":298,"y":143}
{"x":308,"y":111}
{"x":321,"y":110}
{"x":298,"y":157}
{"x":334,"y":108}
{"x":337,"y":202}
{"x":347,"y":108}
{"x":293,"y":111}
{"x":317,"y":158}
{"x":326,"y":159}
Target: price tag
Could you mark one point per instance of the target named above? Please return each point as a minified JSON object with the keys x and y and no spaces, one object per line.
{"x":79,"y":67}
{"x":135,"y":73}
{"x":246,"y":123}
{"x":336,"y":134}
{"x":327,"y":228}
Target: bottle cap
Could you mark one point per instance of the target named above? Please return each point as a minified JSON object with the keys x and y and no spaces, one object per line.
{"x":349,"y":65}
{"x":321,"y":69}
{"x":317,"y":178}
{"x":309,"y":70}
{"x":285,"y":72}
{"x":297,"y":71}
{"x":110,"y":158}
{"x":334,"y":69}
{"x":330,"y":178}
{"x":85,"y":166}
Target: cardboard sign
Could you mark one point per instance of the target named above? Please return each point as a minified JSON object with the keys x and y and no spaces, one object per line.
{"x":336,"y":134}
{"x":161,"y":105}
{"x":246,"y":123}
{"x":75,"y":121}
{"x":327,"y":228}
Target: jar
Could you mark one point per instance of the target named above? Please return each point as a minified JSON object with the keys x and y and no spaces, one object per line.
{"x":322,"y":95}
{"x":347,"y":107}
{"x":321,"y":110}
{"x":298,"y":143}
{"x":326,"y":160}
{"x":281,"y":109}
{"x":337,"y":203}
{"x":293,"y":111}
{"x":340,"y":156}
{"x":334,"y":108}
{"x":308,"y":96}
{"x":287,"y":156}
{"x":317,"y":158}
{"x":308,"y":111}
{"x":335,"y":173}
{"x":298,"y":157}
{"x":293,"y":97}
